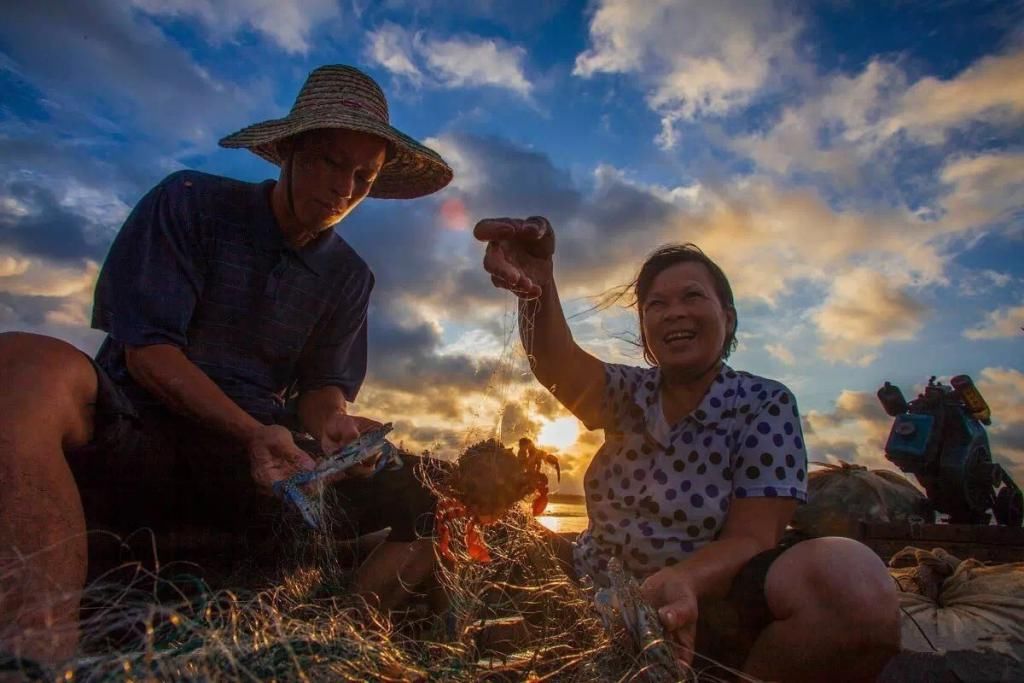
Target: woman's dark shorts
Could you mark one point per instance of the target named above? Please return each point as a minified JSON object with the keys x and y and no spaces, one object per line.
{"x":149,"y":469}
{"x":727,"y":628}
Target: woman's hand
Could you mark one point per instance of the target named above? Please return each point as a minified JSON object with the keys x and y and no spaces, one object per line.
{"x":670,"y":591}
{"x":519,"y":252}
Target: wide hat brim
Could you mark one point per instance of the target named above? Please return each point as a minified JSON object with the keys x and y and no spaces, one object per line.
{"x":414,"y":170}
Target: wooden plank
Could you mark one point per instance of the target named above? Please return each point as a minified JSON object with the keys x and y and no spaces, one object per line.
{"x":944,"y":533}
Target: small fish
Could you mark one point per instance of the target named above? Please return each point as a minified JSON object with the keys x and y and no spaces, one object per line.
{"x":621,"y":603}
{"x":369,"y":445}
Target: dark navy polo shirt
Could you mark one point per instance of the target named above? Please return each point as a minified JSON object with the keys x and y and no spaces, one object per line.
{"x":201,"y":264}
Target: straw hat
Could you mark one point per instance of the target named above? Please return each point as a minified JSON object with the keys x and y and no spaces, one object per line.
{"x":338,"y":96}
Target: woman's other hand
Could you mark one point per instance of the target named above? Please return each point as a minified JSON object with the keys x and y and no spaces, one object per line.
{"x":519,"y":252}
{"x":670,"y":591}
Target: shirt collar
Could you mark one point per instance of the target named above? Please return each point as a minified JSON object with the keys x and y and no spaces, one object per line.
{"x":316,"y":255}
{"x":708,"y":412}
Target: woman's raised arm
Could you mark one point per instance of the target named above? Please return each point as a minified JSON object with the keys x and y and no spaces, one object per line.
{"x":519,"y":259}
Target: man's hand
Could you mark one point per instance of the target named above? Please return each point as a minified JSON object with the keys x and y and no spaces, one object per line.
{"x":273,"y":456}
{"x":519,"y":252}
{"x":340,"y":430}
{"x":670,"y":592}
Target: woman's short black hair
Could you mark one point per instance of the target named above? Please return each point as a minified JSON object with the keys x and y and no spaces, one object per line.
{"x":669,"y":255}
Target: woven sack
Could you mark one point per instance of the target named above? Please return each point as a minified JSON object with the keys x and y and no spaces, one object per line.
{"x":950,"y":604}
{"x":841,"y":496}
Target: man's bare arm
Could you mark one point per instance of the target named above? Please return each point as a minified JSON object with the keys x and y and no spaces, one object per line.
{"x":166,"y":372}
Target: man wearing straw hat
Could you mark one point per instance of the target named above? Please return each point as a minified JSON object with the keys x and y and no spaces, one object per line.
{"x":233,"y":311}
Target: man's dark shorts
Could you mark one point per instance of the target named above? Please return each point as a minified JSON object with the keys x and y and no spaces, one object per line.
{"x":149,"y":469}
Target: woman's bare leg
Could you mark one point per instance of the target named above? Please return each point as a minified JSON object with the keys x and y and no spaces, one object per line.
{"x":837,"y":615}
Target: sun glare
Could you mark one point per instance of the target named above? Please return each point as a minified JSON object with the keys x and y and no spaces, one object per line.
{"x":560,"y":433}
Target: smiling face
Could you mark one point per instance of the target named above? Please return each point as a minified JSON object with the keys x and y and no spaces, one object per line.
{"x":684,"y":323}
{"x":331,"y":171}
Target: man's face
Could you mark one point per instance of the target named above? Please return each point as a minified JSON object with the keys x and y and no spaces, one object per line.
{"x":332,"y":171}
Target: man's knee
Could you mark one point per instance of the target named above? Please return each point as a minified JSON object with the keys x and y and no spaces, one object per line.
{"x":840,"y":580}
{"x":48,"y":382}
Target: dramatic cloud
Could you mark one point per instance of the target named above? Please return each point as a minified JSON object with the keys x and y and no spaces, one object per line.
{"x":990,"y":90}
{"x":1003,"y":322}
{"x":697,"y":59}
{"x":288,"y":24}
{"x":458,"y":62}
{"x":100,"y":60}
{"x":80,"y":225}
{"x":856,"y":130}
{"x":859,"y":200}
{"x":1003,"y":389}
{"x":854,"y":431}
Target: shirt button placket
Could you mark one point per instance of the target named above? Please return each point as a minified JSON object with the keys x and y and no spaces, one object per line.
{"x":275,"y":276}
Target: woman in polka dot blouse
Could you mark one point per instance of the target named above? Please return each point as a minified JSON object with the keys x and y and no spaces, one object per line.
{"x":701,"y":470}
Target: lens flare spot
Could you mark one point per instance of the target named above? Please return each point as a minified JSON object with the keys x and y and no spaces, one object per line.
{"x":454,"y":215}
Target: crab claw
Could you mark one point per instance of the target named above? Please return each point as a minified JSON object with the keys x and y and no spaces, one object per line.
{"x":552,"y":460}
{"x":475,"y":544}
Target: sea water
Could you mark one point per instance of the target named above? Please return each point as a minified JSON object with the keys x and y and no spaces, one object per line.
{"x":564,"y":517}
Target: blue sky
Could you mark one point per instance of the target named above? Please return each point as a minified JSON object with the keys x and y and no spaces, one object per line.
{"x":857,"y":169}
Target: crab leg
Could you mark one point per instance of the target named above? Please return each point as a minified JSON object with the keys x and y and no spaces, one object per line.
{"x":446,"y":510}
{"x":475,"y":544}
{"x":541,"y":501}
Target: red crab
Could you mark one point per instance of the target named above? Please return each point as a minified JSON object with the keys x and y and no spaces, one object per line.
{"x":487,"y":481}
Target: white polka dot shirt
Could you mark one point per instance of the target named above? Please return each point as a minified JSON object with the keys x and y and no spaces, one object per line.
{"x":657,"y":492}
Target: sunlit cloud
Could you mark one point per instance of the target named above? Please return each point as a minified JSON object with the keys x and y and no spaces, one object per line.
{"x":1002,"y":322}
{"x":287,"y":24}
{"x":848,"y":127}
{"x":455,"y":62}
{"x":1003,"y":389}
{"x":37,"y":277}
{"x":855,"y":430}
{"x":781,"y":352}
{"x":696,"y":59}
{"x":392,"y":47}
{"x":863,"y":310}
{"x":991,"y":89}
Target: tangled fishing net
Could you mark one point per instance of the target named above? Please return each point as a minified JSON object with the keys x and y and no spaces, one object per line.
{"x":516,"y":616}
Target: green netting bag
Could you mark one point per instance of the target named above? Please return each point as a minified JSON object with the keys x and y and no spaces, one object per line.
{"x":840,"y":496}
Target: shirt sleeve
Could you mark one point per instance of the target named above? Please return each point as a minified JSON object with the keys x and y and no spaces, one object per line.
{"x":619,"y":411}
{"x":152,"y":277}
{"x":336,"y":354}
{"x":770,"y":459}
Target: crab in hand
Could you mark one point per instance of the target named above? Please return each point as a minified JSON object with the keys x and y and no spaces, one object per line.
{"x":485,"y":483}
